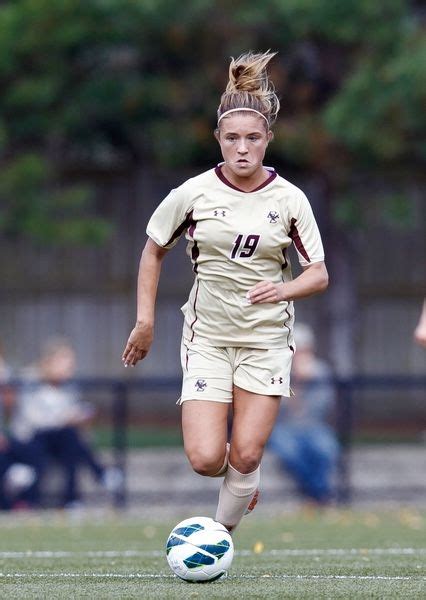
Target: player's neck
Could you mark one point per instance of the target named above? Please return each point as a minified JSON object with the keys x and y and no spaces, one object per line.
{"x":249,"y":183}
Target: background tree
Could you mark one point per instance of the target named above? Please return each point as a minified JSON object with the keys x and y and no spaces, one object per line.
{"x":98,"y":88}
{"x":95,"y":86}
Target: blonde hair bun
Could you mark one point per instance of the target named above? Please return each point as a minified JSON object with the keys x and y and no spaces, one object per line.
{"x":249,"y":86}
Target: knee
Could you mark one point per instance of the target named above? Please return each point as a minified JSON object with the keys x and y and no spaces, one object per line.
{"x":203,"y":463}
{"x":245,"y":460}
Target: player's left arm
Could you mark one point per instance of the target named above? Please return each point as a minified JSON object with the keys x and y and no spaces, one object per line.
{"x":312,"y":280}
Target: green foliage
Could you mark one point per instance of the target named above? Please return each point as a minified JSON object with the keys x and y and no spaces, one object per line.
{"x":396,"y":210}
{"x":385,"y":99}
{"x":32,"y":206}
{"x":349,"y":22}
{"x":347,"y":211}
{"x":103,"y":84}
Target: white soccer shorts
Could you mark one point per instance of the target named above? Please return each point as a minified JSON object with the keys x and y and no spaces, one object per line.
{"x":210,"y":372}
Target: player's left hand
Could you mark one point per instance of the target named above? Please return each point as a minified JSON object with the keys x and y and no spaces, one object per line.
{"x":265,"y":291}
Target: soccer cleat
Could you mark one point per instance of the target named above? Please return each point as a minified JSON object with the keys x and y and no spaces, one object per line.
{"x":253,"y":502}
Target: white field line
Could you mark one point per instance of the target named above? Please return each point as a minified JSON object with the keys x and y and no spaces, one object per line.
{"x":278,"y":552}
{"x":67,"y":575}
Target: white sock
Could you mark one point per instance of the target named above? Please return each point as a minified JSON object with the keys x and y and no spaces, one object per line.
{"x":235,"y":495}
{"x":224,"y":467}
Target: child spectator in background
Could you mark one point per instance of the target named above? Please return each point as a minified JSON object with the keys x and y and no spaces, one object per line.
{"x":48,"y":416}
{"x":17,"y":473}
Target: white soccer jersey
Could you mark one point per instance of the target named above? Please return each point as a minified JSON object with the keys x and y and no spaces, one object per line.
{"x":236,"y":239}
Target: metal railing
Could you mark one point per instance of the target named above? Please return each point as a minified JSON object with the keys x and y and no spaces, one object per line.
{"x":347,"y":389}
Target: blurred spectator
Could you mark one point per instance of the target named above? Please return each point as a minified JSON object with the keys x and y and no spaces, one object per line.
{"x":420,"y":330}
{"x":5,"y":369}
{"x":48,"y":416}
{"x":303,"y":440}
{"x":17,"y":473}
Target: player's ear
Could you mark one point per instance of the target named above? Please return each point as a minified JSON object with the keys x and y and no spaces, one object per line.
{"x":217,"y":134}
{"x":270,"y":136}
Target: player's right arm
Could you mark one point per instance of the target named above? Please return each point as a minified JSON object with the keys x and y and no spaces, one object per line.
{"x":142,"y":334}
{"x":169,"y":220}
{"x":420,"y":331}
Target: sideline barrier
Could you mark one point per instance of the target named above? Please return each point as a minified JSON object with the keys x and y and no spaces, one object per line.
{"x":345,"y":413}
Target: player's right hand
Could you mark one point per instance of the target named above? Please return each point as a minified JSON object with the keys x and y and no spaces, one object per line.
{"x":138,"y":344}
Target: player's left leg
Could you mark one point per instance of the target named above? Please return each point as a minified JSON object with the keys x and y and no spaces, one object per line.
{"x":253,"y":420}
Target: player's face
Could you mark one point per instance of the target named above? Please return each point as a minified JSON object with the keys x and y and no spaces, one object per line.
{"x":243,"y":140}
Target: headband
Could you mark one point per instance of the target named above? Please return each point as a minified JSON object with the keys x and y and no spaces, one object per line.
{"x":232,"y":110}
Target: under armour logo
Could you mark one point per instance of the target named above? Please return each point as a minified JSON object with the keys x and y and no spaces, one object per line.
{"x":220,"y":212}
{"x":275,"y":380}
{"x":273,"y":216}
{"x":200,"y":385}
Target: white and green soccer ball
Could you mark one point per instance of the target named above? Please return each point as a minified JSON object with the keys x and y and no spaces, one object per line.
{"x":199,"y":549}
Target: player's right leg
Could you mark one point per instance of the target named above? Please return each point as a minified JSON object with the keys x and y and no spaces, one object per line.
{"x":205,"y":430}
{"x":205,"y":399}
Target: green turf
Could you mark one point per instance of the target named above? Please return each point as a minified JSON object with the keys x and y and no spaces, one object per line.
{"x":151,"y":436}
{"x":141,"y":437}
{"x":337,"y":554}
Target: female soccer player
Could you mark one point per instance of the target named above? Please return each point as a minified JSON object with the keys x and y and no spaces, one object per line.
{"x":239,"y":219}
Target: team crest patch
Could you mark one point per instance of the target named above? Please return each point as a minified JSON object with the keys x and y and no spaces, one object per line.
{"x":273,"y":216}
{"x":200,"y":385}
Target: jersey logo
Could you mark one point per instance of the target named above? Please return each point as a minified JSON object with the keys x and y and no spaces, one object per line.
{"x":219,"y":212}
{"x":273,"y":216}
{"x":200,"y":385}
{"x":275,"y":380}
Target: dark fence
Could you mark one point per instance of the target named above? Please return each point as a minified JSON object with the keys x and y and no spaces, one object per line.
{"x":350,"y":411}
{"x":350,"y":394}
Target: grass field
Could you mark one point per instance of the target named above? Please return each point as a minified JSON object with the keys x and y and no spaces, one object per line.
{"x":336,"y":554}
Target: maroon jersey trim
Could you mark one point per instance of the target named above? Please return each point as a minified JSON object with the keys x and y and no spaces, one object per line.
{"x":218,"y":171}
{"x":195,"y":311}
{"x":195,"y":251}
{"x":285,"y":263}
{"x":294,"y":235}
{"x":190,"y":224}
{"x":288,"y":328}
{"x":184,"y":225}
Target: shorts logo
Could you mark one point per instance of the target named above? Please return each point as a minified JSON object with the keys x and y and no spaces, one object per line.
{"x":275,"y":380}
{"x":200,"y":385}
{"x":273,"y":216}
{"x":219,"y":212}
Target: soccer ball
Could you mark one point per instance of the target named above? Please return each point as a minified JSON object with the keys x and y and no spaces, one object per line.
{"x":199,"y":549}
